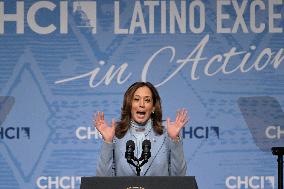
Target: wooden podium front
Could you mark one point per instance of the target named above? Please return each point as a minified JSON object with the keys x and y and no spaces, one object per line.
{"x":156,"y":182}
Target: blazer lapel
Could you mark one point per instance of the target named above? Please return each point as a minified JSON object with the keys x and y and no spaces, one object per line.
{"x":121,"y":147}
{"x":157,"y":141}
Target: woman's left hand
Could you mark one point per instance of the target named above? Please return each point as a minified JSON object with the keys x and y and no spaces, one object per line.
{"x":175,"y":127}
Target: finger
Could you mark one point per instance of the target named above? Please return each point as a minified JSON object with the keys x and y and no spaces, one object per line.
{"x":186,"y":117}
{"x":177,"y":113}
{"x":99,"y":121}
{"x":103,"y":116}
{"x":184,"y":112}
{"x":178,"y":116}
{"x":185,"y":121}
{"x":113,"y":123}
{"x":168,"y":122}
{"x":183,"y":115}
{"x":98,"y":116}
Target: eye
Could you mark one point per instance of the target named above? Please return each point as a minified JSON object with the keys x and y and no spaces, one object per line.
{"x":148,"y":100}
{"x":136,"y":99}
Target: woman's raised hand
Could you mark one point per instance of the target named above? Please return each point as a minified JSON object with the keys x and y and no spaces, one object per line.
{"x":102,"y":126}
{"x":175,"y":127}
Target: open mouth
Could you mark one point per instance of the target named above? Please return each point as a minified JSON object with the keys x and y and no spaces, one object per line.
{"x":141,"y":113}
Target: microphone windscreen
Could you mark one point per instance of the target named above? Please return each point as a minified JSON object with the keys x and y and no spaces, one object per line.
{"x":130,"y":144}
{"x":146,"y":143}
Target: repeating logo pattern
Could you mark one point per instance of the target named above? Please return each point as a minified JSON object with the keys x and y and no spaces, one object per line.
{"x":62,"y":61}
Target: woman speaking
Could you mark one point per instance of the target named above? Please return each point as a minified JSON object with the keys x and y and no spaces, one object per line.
{"x":139,"y":136}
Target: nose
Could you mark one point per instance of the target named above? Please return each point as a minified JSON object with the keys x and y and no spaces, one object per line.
{"x":141,"y":103}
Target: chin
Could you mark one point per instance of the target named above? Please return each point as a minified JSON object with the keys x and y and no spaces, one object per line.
{"x":142,"y":122}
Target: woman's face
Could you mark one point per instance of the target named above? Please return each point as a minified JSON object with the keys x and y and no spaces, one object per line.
{"x":142,"y":105}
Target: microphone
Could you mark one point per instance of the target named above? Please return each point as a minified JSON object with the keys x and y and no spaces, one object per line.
{"x":146,"y":147}
{"x":130,"y":147}
{"x":145,"y":155}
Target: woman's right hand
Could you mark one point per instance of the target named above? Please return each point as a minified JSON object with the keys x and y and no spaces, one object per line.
{"x":102,"y":126}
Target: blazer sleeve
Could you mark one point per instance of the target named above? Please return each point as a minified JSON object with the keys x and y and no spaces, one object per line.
{"x":177,"y":162}
{"x":105,"y":163}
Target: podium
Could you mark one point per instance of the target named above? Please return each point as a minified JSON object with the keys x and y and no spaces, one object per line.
{"x":145,"y":182}
{"x":279,"y":151}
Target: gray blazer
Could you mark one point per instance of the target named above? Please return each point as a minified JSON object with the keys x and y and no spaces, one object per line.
{"x":167,"y":158}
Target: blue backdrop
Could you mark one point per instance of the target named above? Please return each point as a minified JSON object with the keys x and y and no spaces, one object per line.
{"x":62,"y":61}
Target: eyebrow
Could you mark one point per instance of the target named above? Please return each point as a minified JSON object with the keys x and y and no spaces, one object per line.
{"x":140,"y":96}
